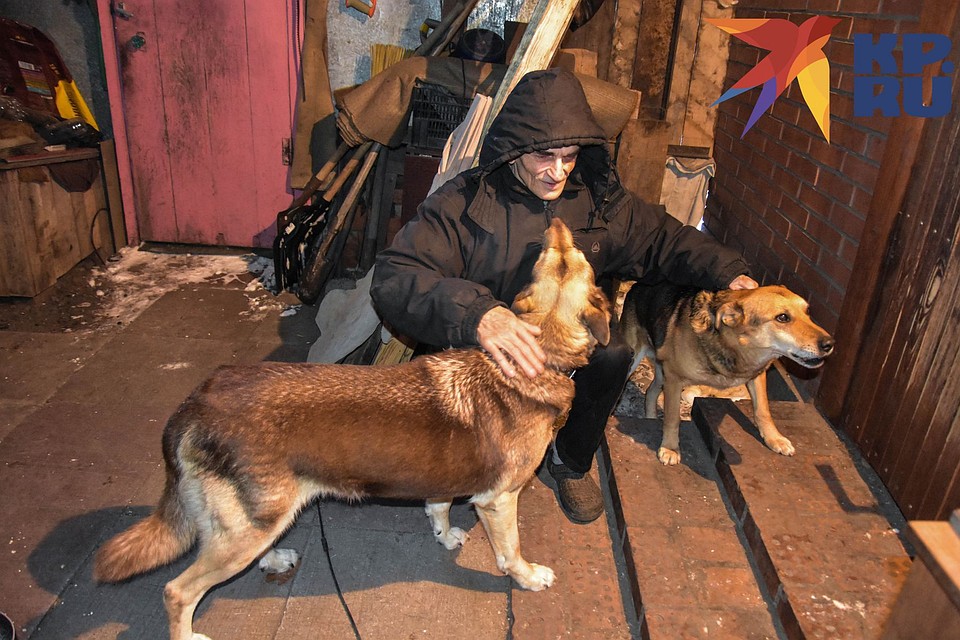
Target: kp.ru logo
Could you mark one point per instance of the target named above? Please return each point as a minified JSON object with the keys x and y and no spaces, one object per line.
{"x":796,"y":52}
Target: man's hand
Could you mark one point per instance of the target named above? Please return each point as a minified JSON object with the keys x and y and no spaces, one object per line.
{"x":502,"y":333}
{"x":743,"y":281}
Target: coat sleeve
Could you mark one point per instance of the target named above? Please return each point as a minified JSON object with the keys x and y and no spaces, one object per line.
{"x":660,"y":244}
{"x":418,"y":282}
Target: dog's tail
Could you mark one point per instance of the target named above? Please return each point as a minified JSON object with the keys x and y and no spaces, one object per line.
{"x":165,"y":535}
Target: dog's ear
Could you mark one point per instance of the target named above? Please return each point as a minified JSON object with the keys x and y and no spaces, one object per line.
{"x":597,"y":317}
{"x":523,"y":303}
{"x":701,"y":317}
{"x":729,"y":314}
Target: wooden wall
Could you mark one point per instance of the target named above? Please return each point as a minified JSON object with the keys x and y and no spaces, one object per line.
{"x":895,"y":387}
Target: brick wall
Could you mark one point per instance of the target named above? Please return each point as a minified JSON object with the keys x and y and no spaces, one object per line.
{"x":792,"y":203}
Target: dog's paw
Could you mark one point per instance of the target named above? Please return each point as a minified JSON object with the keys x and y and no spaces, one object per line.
{"x":781,"y":445}
{"x":279,"y":560}
{"x":453,"y":538}
{"x":668,"y":457}
{"x":200,"y":636}
{"x":538,"y":578}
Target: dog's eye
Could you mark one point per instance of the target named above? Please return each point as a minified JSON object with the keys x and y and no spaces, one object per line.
{"x":784,"y":317}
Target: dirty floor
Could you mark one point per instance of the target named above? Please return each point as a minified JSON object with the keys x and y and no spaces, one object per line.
{"x":727,"y":545}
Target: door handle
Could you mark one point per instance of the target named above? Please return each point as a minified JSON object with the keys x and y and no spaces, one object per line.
{"x":137,"y":41}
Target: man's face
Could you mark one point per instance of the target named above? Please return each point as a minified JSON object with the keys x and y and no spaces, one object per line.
{"x":546,"y":172}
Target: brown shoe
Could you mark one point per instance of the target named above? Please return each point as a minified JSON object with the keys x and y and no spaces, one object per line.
{"x":578,"y":494}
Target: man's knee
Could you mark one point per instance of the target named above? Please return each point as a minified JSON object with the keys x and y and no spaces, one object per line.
{"x":616,"y":358}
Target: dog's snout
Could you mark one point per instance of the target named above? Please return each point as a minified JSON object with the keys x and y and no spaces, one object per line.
{"x":826,"y":345}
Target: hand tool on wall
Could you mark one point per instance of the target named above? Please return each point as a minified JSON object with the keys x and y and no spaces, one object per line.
{"x":299,"y":226}
{"x":318,"y":270}
{"x":362,"y":7}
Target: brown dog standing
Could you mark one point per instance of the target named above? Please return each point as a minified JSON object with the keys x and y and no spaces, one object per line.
{"x":254,"y":444}
{"x":721,"y":339}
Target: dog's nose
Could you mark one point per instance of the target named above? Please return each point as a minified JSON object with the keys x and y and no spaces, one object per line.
{"x":826,"y":345}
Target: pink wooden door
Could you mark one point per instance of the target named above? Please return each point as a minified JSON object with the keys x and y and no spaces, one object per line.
{"x":208,"y":94}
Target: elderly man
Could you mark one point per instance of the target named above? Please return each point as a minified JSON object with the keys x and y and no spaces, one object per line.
{"x":453,"y":270}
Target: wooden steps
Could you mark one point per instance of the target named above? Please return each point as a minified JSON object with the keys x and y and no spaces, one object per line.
{"x":739,"y":542}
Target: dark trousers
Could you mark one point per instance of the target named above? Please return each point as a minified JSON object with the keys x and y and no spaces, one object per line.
{"x":598,"y":387}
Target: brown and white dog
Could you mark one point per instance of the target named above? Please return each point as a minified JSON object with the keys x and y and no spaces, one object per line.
{"x":721,"y":339}
{"x":254,"y":444}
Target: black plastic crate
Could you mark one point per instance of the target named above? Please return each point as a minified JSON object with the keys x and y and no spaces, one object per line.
{"x":435,"y":113}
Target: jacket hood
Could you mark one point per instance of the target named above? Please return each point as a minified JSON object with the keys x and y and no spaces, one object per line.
{"x":546,"y":110}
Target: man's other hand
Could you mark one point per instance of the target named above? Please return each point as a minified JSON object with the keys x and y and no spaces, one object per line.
{"x":743,"y":281}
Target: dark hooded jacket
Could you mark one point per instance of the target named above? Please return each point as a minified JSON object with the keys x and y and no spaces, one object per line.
{"x":473,"y":242}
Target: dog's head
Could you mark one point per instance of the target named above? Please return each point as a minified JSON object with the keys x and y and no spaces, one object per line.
{"x":564,"y":301}
{"x":771,"y":318}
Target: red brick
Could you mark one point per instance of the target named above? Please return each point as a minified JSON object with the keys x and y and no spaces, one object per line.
{"x":723,"y":140}
{"x":761,"y":230}
{"x":762,"y":166}
{"x":908,"y":25}
{"x":789,"y":183}
{"x":803,"y":243}
{"x":873,"y":25}
{"x":771,"y":193}
{"x":794,"y":211}
{"x":848,"y":251}
{"x":815,"y":201}
{"x":825,"y":235}
{"x":835,"y":186}
{"x":803,"y":167}
{"x":826,"y":154}
{"x":848,"y":138}
{"x":847,"y":222}
{"x":786,"y":111}
{"x":840,"y":52}
{"x":751,"y":12}
{"x":841,"y":106}
{"x":777,"y":152}
{"x":875,"y":148}
{"x":861,"y":6}
{"x":796,"y":138}
{"x":744,"y":55}
{"x":838,"y":272}
{"x":842,"y":30}
{"x":860,"y":201}
{"x":816,"y":6}
{"x":841,"y":79}
{"x":779,"y":224}
{"x":860,"y":171}
{"x":902,"y":7}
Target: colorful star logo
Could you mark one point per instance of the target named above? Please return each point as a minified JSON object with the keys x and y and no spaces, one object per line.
{"x":795,"y":52}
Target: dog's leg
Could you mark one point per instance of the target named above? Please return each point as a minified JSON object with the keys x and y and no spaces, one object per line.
{"x":653,"y":391}
{"x":222,"y":556}
{"x":438,"y":510}
{"x":499,"y":517}
{"x":761,"y":414}
{"x":669,"y":451}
